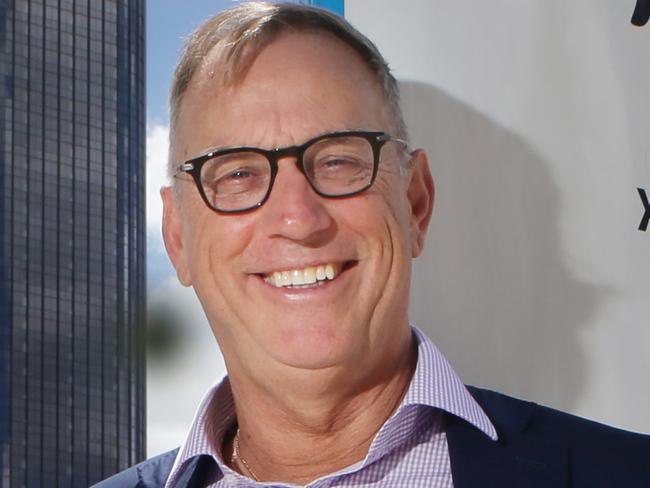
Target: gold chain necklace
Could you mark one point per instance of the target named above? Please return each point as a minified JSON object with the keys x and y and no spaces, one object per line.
{"x":239,"y":460}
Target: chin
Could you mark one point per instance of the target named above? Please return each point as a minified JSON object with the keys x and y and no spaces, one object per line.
{"x":314,"y":347}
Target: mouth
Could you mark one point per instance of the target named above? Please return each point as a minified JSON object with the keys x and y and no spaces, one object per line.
{"x":310,"y":276}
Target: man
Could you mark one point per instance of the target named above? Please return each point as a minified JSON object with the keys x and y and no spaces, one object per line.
{"x":296,"y":210}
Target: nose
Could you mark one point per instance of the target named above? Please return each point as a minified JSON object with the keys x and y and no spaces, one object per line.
{"x":294,"y":210}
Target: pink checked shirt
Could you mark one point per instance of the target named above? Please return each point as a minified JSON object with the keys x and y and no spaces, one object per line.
{"x":410,"y":449}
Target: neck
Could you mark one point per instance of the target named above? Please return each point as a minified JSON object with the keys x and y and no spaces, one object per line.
{"x":318,"y":422}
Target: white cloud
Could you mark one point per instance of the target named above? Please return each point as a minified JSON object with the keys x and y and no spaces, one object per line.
{"x":158,"y":265}
{"x":157,"y":144}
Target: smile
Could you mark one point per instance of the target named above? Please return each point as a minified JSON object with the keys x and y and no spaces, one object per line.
{"x":311,"y":275}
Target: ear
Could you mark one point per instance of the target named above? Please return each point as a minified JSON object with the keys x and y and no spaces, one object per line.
{"x":420,"y":193}
{"x":172,"y":230}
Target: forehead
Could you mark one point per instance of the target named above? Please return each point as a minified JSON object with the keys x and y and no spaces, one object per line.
{"x":298,"y":86}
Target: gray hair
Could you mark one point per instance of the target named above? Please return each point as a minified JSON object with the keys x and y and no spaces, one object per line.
{"x":240,"y":33}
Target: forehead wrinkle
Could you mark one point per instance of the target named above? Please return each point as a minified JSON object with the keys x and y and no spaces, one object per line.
{"x":278,"y":123}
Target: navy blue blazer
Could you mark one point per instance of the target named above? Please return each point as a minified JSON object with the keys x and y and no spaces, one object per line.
{"x":538,"y":447}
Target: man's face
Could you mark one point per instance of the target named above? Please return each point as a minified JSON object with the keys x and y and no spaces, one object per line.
{"x":299,"y":86}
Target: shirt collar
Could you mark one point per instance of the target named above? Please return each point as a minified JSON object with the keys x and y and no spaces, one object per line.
{"x":435,"y":387}
{"x":217,"y":404}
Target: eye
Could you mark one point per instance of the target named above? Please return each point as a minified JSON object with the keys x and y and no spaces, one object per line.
{"x":340,"y":166}
{"x":238,"y":174}
{"x":338,"y":162}
{"x":235,"y":173}
{"x":339,"y":159}
{"x":232,"y":180}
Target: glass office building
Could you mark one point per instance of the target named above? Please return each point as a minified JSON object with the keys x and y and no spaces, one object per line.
{"x":72,"y":277}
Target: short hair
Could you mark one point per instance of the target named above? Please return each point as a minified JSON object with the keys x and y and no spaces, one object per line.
{"x":241,"y":32}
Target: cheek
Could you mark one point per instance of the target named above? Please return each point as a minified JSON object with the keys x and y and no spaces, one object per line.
{"x":216,"y":244}
{"x":380,"y":219}
{"x":393,"y":205}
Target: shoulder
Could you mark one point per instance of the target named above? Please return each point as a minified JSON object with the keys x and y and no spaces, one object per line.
{"x":148,"y":474}
{"x":527,"y":416}
{"x":590,"y":444}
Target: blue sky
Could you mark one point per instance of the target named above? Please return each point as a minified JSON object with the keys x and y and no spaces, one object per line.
{"x":168,"y":22}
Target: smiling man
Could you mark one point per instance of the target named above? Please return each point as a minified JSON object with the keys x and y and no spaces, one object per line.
{"x":296,"y":210}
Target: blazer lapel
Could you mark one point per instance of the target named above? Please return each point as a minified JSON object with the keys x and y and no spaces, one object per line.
{"x":515,"y":460}
{"x":196,"y":472}
{"x":154,"y":472}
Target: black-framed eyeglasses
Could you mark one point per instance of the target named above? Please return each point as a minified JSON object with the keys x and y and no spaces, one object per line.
{"x":336,"y":164}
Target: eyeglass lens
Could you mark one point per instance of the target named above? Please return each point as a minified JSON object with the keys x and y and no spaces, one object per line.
{"x":335,"y":166}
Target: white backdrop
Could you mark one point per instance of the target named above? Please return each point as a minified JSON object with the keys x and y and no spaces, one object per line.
{"x":536,"y":117}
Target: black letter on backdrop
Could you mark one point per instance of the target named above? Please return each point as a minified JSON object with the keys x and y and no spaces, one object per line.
{"x":641,"y":13}
{"x":646,"y":206}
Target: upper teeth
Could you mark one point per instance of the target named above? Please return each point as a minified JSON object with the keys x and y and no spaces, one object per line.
{"x":305,"y":276}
